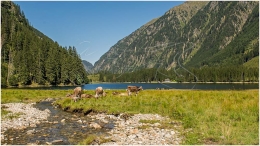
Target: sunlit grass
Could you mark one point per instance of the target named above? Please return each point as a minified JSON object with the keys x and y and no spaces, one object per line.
{"x":212,"y":117}
{"x":9,"y":115}
{"x":88,"y":140}
{"x":29,"y":95}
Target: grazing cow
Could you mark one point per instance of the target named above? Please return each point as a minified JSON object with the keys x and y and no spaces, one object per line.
{"x":119,"y":94}
{"x":135,"y":89}
{"x":69,"y":95}
{"x":99,"y":91}
{"x":75,"y":98}
{"x":86,"y":96}
{"x":78,"y":92}
{"x":115,"y":93}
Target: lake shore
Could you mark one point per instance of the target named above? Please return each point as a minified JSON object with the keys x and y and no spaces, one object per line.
{"x":176,"y":82}
{"x":38,"y":86}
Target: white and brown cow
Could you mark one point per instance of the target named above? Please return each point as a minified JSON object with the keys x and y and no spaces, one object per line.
{"x":78,"y":92}
{"x":99,"y":91}
{"x":135,"y":89}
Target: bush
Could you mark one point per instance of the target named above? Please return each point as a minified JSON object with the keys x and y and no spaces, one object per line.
{"x":13,"y":81}
{"x":3,"y":82}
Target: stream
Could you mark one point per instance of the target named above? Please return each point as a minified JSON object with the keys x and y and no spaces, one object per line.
{"x":62,"y":128}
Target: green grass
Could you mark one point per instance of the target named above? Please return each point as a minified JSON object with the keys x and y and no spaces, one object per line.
{"x":4,"y":112}
{"x":29,"y":95}
{"x":149,"y":121}
{"x":212,"y":117}
{"x":88,"y":140}
{"x":9,"y":115}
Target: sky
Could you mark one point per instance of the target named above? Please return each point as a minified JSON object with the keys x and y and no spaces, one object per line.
{"x":92,"y":27}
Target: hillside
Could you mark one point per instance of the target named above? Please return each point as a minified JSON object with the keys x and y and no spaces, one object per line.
{"x":28,"y":57}
{"x":195,"y":34}
{"x":88,"y":66}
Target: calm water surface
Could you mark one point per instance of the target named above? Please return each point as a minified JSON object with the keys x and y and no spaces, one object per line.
{"x":197,"y":86}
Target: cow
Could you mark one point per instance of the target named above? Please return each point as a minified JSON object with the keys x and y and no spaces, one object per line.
{"x":119,"y":94}
{"x":99,"y":91}
{"x":78,"y":92}
{"x":86,"y":96}
{"x":115,"y":93}
{"x":75,"y":98}
{"x":135,"y":89}
{"x":69,"y":95}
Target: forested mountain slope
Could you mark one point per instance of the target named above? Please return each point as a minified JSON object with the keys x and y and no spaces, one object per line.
{"x":194,"y":34}
{"x":29,"y":57}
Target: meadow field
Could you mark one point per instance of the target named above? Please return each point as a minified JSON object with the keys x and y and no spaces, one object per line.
{"x":210,"y":117}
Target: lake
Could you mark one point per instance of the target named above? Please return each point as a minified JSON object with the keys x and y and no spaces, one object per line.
{"x":197,"y":86}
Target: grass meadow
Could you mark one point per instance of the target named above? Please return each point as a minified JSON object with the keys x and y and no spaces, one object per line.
{"x":211,"y":117}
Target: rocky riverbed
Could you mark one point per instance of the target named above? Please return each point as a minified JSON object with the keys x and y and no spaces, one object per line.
{"x":27,"y":116}
{"x":123,"y":129}
{"x":142,"y":129}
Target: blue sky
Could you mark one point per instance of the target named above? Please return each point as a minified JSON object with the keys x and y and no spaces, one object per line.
{"x":93,"y":27}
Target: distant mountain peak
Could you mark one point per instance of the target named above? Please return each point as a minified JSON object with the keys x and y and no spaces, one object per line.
{"x":88,"y":66}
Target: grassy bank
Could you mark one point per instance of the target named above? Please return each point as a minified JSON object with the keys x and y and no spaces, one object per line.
{"x":30,"y":95}
{"x":213,"y":117}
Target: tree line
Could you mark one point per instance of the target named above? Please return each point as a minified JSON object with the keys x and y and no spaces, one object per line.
{"x":29,"y":57}
{"x":204,"y":74}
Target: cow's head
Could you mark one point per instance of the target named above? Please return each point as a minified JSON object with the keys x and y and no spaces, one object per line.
{"x":140,"y":88}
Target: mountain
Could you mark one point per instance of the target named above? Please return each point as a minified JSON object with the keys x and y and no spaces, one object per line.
{"x":28,"y":57}
{"x":194,"y":34}
{"x":87,"y":65}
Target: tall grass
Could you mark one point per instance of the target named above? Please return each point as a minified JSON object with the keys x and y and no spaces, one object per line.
{"x":212,"y":117}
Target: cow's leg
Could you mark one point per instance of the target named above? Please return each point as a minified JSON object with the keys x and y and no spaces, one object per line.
{"x":129,"y":93}
{"x":96,"y":96}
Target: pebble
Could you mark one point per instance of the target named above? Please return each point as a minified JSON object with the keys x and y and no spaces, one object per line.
{"x":127,"y":132}
{"x":95,"y":125}
{"x":31,"y":131}
{"x":28,"y":116}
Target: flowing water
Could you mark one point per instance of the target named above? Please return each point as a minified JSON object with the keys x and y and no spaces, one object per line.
{"x":71,"y":132}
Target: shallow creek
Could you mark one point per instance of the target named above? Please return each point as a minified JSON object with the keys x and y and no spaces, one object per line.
{"x":62,"y":128}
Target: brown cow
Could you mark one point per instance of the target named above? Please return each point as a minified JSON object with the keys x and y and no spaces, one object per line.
{"x":135,"y":89}
{"x":78,"y":92}
{"x":86,"y":96}
{"x":119,"y":94}
{"x":99,"y":91}
{"x":75,"y":98}
{"x":69,"y":95}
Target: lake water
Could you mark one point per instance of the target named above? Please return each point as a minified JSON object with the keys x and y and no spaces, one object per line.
{"x":196,"y":86}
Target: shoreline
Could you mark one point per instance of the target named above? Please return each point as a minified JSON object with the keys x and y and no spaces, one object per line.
{"x":175,"y":82}
{"x":60,"y":86}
